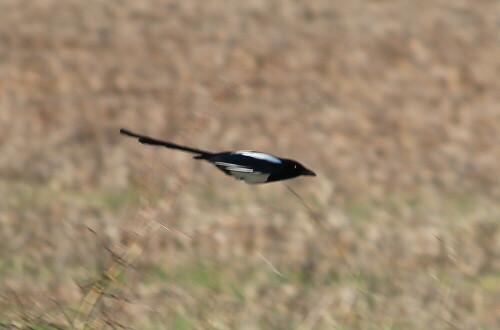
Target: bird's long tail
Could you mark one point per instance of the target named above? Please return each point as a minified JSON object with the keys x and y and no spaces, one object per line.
{"x":147,"y":140}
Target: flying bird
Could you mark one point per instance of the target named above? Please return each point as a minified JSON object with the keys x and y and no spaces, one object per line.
{"x":245,"y":165}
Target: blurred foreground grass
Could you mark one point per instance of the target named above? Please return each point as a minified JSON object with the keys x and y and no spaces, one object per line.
{"x":385,"y":261}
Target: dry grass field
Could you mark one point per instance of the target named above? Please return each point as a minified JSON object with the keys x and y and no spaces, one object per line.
{"x":395,"y":104}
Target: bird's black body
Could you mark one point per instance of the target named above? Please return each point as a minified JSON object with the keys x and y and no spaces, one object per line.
{"x":245,"y":165}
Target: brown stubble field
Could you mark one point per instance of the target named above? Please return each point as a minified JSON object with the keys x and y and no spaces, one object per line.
{"x":395,"y":104}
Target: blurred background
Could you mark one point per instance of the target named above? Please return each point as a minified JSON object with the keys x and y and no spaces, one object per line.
{"x":395,"y":104}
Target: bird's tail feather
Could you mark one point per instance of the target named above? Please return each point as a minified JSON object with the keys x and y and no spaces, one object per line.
{"x":147,"y":140}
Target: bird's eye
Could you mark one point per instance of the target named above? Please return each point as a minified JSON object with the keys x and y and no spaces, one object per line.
{"x":294,"y":166}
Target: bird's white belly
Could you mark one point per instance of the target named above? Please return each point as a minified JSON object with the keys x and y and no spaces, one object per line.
{"x":250,"y":177}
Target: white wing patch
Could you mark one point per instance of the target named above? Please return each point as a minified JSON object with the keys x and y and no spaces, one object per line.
{"x":258,"y":155}
{"x":255,"y":177}
{"x":243,"y":173}
{"x":234,"y":167}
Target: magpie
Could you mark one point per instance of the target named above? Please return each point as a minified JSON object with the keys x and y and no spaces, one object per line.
{"x":245,"y":165}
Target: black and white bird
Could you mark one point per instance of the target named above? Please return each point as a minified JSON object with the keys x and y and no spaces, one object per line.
{"x":246,"y":165}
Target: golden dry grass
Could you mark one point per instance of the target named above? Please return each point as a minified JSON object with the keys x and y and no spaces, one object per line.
{"x":395,"y":104}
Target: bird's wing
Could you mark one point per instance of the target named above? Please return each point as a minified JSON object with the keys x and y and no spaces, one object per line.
{"x":258,"y":155}
{"x":245,"y":162}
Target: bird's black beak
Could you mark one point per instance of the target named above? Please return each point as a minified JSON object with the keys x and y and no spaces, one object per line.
{"x":308,"y":172}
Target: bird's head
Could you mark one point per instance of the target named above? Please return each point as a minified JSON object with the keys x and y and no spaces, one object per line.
{"x":298,"y":169}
